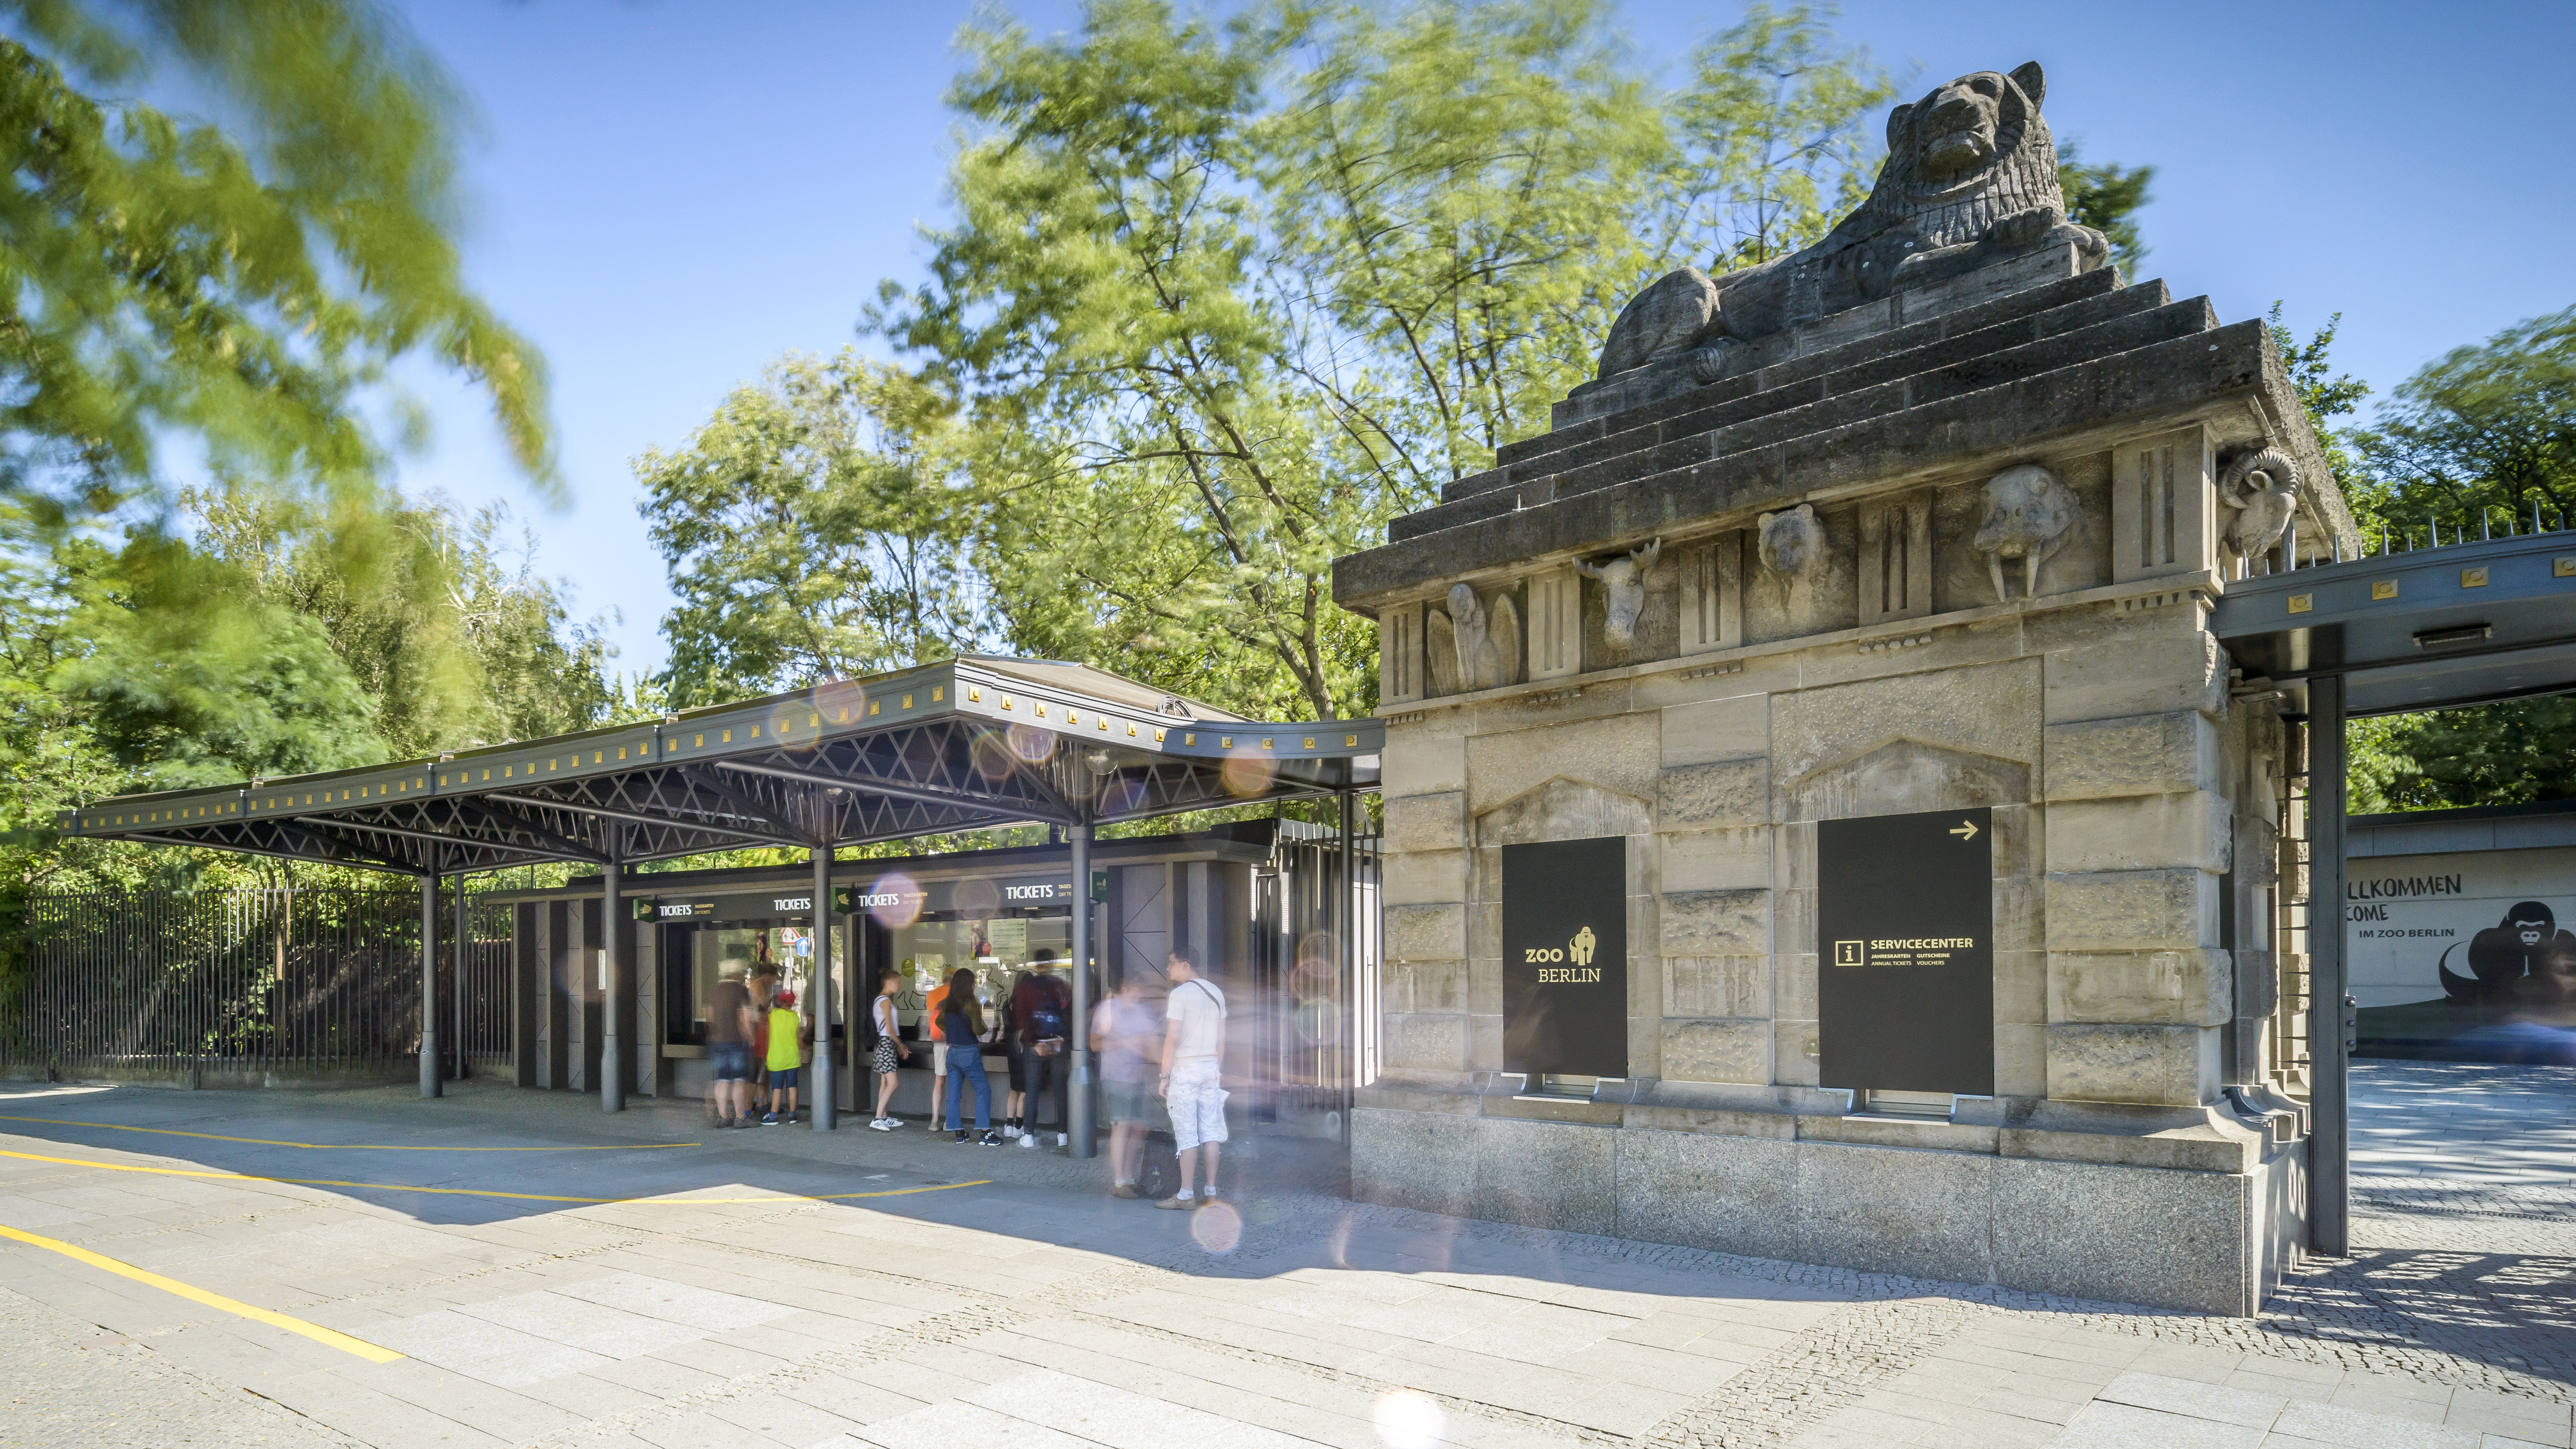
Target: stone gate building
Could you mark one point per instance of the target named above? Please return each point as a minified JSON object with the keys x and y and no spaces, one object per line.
{"x":1927,"y":518}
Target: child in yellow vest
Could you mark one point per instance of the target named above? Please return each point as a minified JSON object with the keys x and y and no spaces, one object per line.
{"x":786,"y":1057}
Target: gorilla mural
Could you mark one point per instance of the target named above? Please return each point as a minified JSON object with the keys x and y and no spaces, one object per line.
{"x":2522,"y":959}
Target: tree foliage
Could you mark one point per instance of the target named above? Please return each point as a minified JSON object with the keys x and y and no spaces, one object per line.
{"x":2107,"y":197}
{"x":2486,"y":433}
{"x":234,"y":287}
{"x":1220,"y":298}
{"x":807,"y":534}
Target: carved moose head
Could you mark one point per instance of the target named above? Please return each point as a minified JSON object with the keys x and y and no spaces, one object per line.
{"x":1623,"y":591}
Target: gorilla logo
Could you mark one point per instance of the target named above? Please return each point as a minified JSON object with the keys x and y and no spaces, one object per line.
{"x":1580,"y":949}
{"x":2524,"y":956}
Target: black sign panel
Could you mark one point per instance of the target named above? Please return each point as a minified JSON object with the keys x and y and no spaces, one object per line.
{"x":1905,"y":942}
{"x":1565,"y":957}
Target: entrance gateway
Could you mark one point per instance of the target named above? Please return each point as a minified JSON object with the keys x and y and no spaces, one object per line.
{"x":1848,"y":642}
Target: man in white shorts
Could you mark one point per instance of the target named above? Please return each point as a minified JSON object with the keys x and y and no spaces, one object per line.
{"x":1191,"y":1086}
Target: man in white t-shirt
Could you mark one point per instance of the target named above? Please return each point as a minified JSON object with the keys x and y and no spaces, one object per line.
{"x":1191,"y":1087}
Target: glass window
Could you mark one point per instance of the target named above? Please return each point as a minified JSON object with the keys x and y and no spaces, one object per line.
{"x":706,"y":952}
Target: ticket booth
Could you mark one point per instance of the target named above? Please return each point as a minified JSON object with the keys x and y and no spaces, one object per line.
{"x":1249,"y":902}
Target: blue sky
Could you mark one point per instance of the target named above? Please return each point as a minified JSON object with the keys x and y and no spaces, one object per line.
{"x":667,"y":194}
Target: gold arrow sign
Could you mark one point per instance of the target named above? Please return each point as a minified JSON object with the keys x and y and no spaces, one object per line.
{"x":1967,"y":830}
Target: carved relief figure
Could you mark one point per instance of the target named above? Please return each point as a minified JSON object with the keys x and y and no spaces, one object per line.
{"x":1623,"y":591}
{"x":1485,"y":638}
{"x":2029,"y":516}
{"x":2261,"y":490}
{"x":1792,"y":547}
{"x":1970,"y":180}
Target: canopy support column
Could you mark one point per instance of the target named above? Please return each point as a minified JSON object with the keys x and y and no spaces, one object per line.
{"x":431,"y":1068}
{"x":1077,"y":1114}
{"x":457,"y":986}
{"x":2329,"y":1064}
{"x":1345,"y":922}
{"x":821,"y":1094}
{"x":612,"y":1055}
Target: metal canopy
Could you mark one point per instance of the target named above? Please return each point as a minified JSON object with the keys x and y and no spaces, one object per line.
{"x":2464,"y":623}
{"x":965,"y":744}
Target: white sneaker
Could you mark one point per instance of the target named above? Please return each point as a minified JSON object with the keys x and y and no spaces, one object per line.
{"x":882,"y":1125}
{"x":1028,"y":1139}
{"x":1064,"y":1139}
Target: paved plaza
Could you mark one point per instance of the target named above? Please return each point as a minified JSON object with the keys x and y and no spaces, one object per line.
{"x":514,"y":1268}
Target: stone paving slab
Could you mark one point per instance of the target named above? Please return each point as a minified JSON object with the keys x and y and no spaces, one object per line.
{"x":1037,"y":1309}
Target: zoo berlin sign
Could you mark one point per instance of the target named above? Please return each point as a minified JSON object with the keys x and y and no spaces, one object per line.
{"x":1565,"y":958}
{"x":1905,"y":923}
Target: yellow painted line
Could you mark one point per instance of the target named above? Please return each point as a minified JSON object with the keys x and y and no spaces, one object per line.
{"x":344,"y":1146}
{"x":491,"y":1192}
{"x":329,"y":1337}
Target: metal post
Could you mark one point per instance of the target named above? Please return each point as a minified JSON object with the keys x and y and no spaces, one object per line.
{"x":464,"y":934}
{"x":823,"y":1104}
{"x":612,"y":1060}
{"x":429,"y":1062}
{"x":2329,"y":1137}
{"x":1077,"y":1113}
{"x":1345,"y":923}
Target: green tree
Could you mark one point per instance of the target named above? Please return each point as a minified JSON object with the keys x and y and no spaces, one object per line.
{"x":1220,"y":299}
{"x":2107,"y":197}
{"x":808,"y":535}
{"x":238,"y":286}
{"x":2486,"y":432}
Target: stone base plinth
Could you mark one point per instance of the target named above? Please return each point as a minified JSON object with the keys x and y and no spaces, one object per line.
{"x":2205,"y":1241}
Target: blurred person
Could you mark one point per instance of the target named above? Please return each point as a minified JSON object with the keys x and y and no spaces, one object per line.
{"x":1042,"y":1017}
{"x":1122,"y":1032}
{"x":786,"y":1058}
{"x":1015,"y":1055}
{"x":1193,"y":1075}
{"x":931,"y":1006}
{"x":729,"y":1026}
{"x":889,"y":1050}
{"x":764,"y":985}
{"x":961,"y":1024}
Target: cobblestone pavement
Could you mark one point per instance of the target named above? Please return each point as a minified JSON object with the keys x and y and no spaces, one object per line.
{"x":704,"y":1295}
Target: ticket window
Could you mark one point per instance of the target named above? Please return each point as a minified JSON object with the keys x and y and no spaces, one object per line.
{"x":996,"y":948}
{"x":706,"y":952}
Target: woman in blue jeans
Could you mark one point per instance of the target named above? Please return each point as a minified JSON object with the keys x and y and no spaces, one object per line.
{"x":961,"y":1025}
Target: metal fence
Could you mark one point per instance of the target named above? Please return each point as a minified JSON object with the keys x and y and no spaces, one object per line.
{"x":321,"y":981}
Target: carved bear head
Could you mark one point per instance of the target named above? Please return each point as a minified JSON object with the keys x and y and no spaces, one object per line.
{"x":1793,"y":542}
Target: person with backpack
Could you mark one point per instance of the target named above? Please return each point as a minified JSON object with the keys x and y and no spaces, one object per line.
{"x":1192,"y":1084}
{"x":1042,"y":1018}
{"x":888,"y":1049}
{"x":786,"y":1057}
{"x":961,"y":1024}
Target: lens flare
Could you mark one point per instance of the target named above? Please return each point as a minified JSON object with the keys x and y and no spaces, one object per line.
{"x":977,"y":899}
{"x":895,"y":900}
{"x":841,"y":701}
{"x":1246,"y":775}
{"x":1119,"y":795}
{"x":1217,"y":1227}
{"x":990,"y":756}
{"x":1406,"y":1419}
{"x":1032,"y":744}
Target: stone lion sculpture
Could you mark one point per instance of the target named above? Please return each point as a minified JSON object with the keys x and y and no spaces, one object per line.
{"x":1970,"y":180}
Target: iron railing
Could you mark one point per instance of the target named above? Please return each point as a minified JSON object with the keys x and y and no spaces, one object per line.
{"x":251,"y":980}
